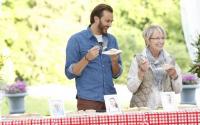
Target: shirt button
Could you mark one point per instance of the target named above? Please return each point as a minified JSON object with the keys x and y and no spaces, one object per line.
{"x":102,"y":65}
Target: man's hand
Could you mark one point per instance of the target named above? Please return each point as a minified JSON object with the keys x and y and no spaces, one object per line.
{"x":114,"y":58}
{"x":92,"y":53}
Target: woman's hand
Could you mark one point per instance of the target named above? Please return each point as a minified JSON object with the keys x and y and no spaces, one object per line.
{"x":144,"y":65}
{"x":171,"y":71}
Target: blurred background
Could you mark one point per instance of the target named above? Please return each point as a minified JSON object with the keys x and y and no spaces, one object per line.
{"x":34,"y":34}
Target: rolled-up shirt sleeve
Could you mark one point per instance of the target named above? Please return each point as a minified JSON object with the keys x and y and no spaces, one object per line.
{"x":72,"y":57}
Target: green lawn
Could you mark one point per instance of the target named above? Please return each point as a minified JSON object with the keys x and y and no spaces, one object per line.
{"x":36,"y":105}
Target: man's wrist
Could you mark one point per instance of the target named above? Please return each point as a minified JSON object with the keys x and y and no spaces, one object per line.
{"x":114,"y":62}
{"x":85,"y":57}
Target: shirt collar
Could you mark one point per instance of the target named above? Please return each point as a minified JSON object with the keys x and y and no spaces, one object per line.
{"x":90,"y":34}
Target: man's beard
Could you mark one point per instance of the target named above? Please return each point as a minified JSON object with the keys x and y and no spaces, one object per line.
{"x":101,"y":28}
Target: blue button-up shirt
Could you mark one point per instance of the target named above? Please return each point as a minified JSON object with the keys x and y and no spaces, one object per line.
{"x":95,"y":80}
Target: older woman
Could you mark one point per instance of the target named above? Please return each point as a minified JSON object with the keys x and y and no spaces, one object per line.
{"x":153,"y":71}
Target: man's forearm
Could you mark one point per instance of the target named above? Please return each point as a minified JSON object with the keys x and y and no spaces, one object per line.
{"x":115,"y":67}
{"x":79,"y":66}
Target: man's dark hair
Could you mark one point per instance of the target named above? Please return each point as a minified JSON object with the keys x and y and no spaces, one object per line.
{"x":98,"y":10}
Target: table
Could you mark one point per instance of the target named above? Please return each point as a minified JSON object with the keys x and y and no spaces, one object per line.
{"x":190,"y":117}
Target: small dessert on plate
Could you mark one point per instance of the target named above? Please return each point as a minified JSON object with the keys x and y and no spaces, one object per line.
{"x":112,"y":51}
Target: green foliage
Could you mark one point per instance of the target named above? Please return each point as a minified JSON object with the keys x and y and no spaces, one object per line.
{"x":196,"y":67}
{"x":179,"y":52}
{"x":1,"y":65}
{"x":1,"y":61}
{"x":36,"y":32}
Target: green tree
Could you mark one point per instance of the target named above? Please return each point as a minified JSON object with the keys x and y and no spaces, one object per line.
{"x":36,"y":32}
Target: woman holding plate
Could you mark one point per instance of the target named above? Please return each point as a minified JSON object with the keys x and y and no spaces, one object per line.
{"x":153,"y":71}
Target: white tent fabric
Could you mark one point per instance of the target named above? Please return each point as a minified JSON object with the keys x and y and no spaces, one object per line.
{"x":190,"y":14}
{"x":0,"y":7}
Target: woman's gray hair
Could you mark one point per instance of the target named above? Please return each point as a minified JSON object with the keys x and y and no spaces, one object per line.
{"x":148,"y":32}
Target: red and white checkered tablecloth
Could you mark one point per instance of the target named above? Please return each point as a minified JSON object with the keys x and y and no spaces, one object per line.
{"x":174,"y":118}
{"x":143,"y":118}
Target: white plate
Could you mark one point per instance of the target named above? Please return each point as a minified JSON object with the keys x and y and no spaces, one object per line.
{"x":112,"y":52}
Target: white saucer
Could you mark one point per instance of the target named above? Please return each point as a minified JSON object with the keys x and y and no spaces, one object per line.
{"x":112,"y":52}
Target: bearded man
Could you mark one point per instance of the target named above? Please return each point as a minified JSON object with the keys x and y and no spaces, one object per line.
{"x":92,"y":70}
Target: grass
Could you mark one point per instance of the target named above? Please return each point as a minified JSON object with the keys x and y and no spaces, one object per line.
{"x":37,"y":105}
